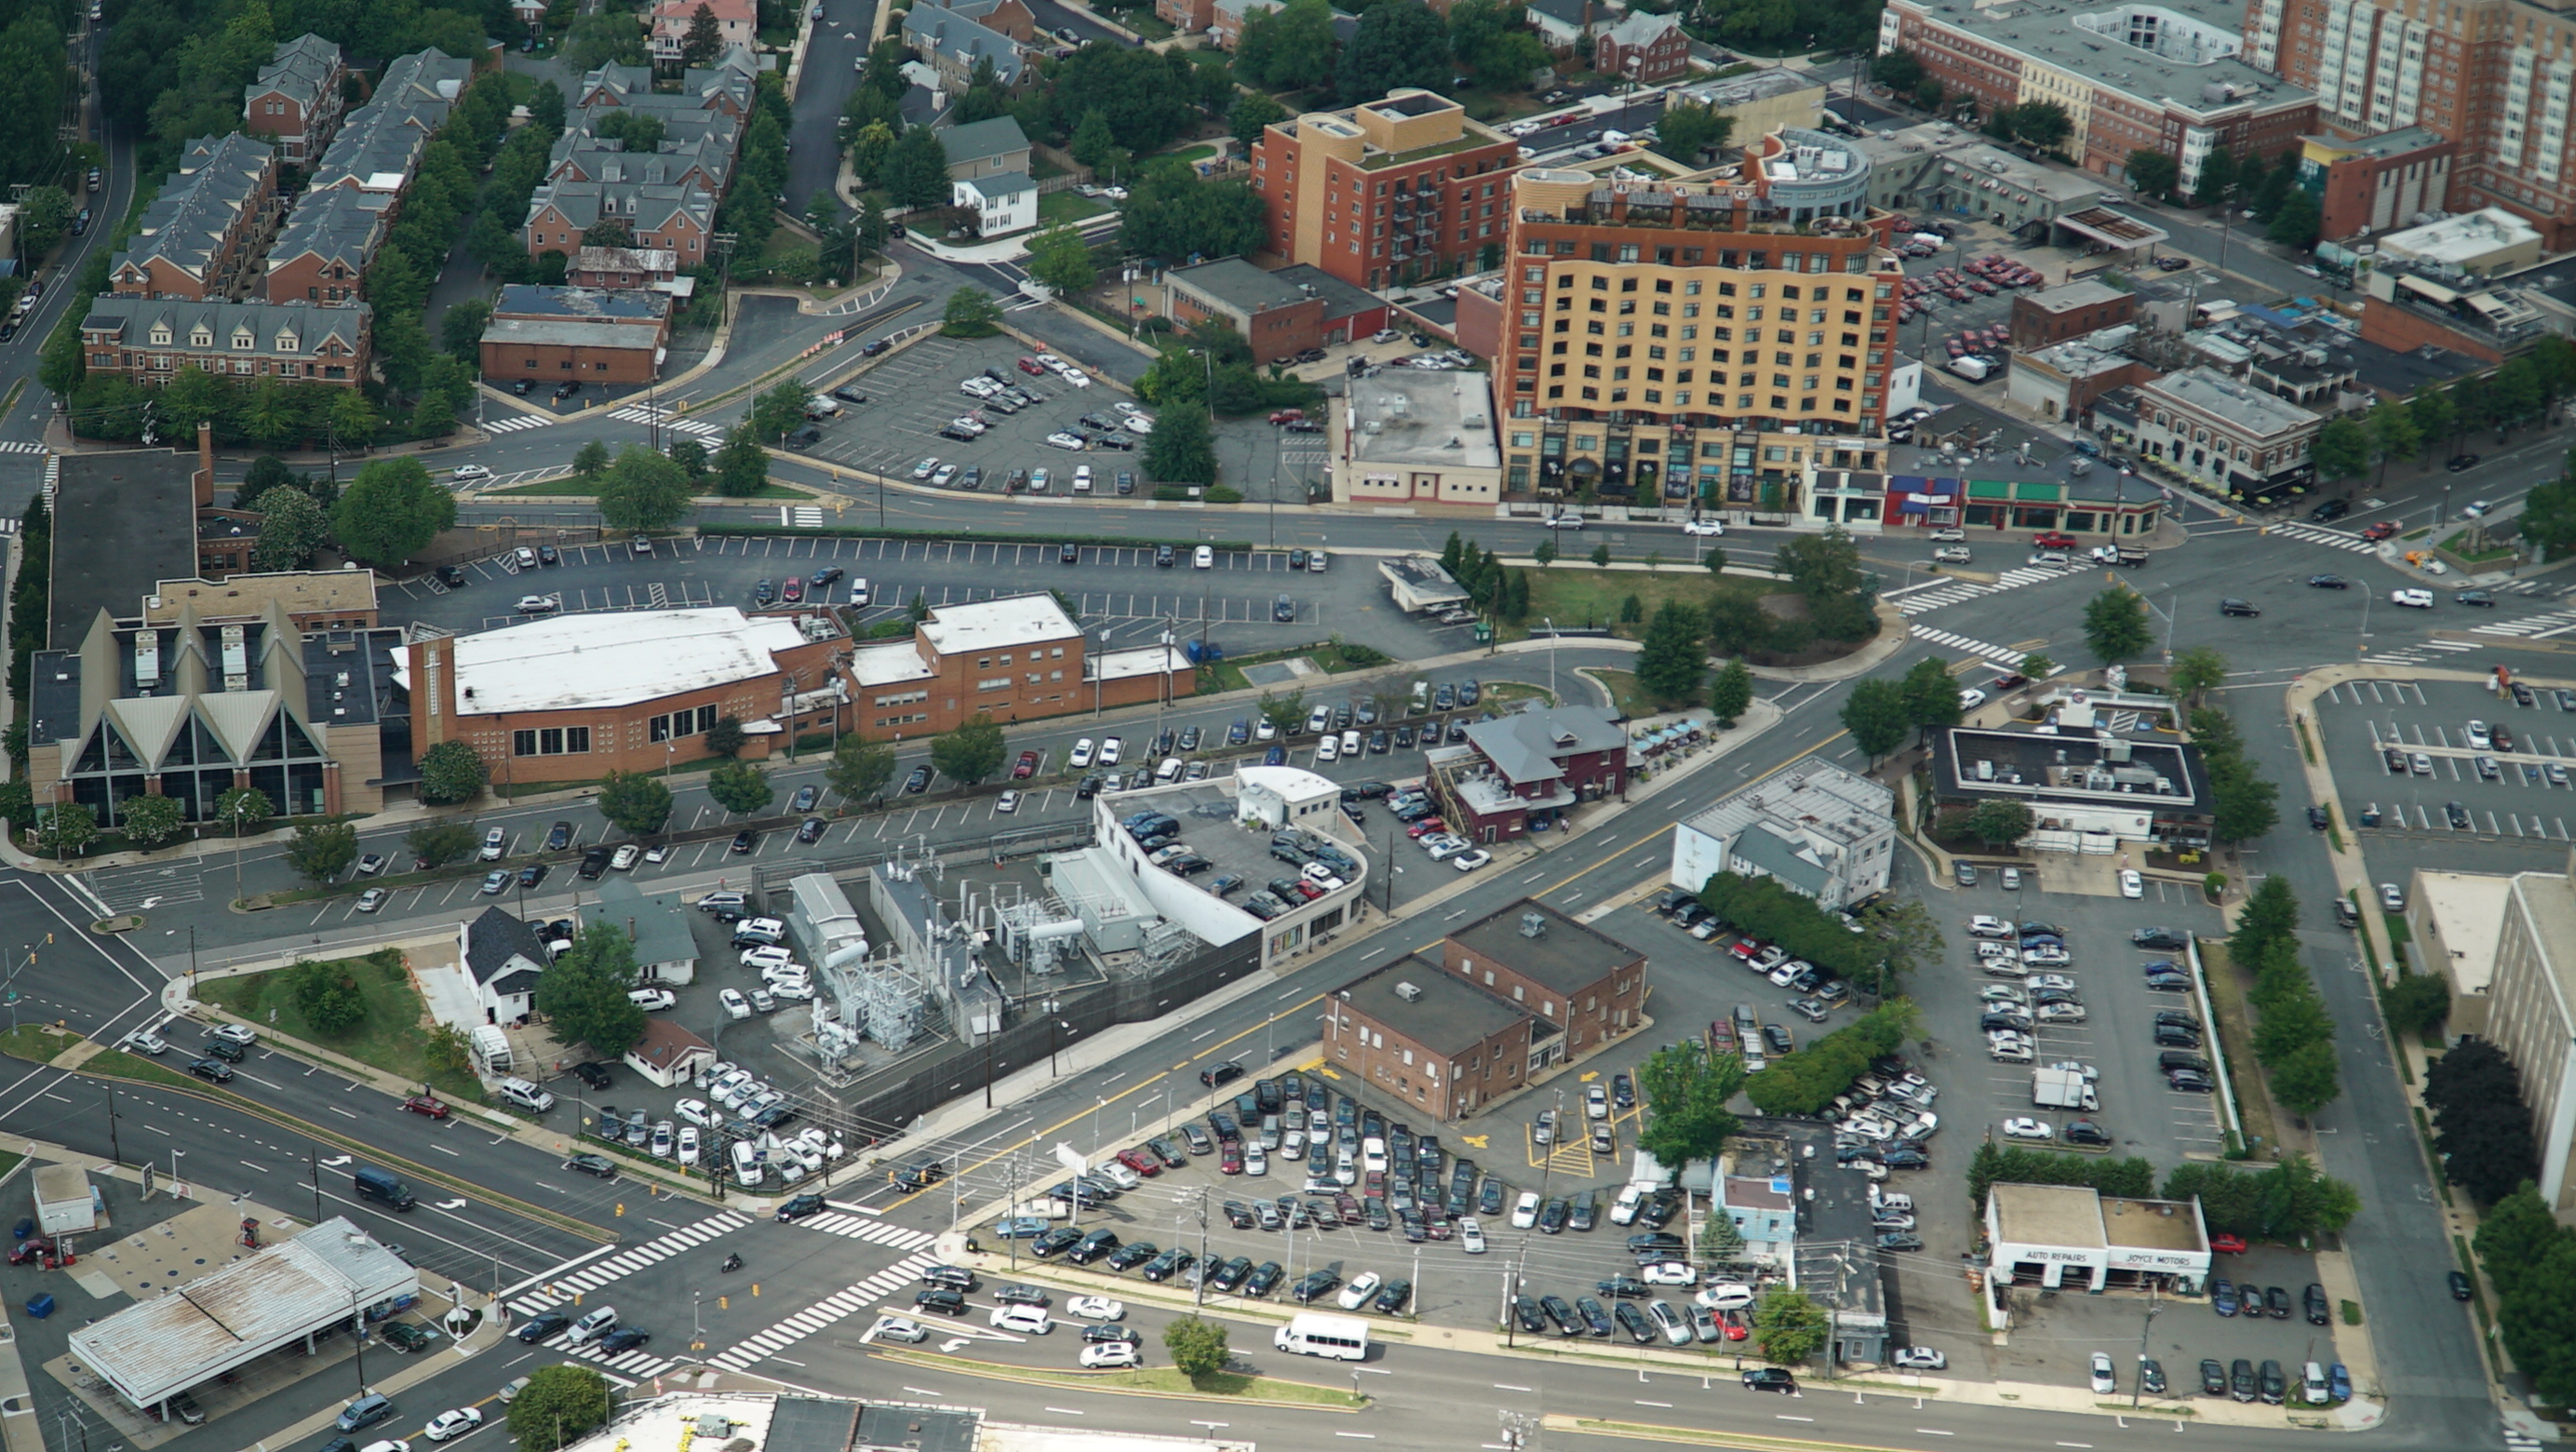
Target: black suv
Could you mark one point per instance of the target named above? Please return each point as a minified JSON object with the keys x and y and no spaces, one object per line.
{"x":800,"y":1207}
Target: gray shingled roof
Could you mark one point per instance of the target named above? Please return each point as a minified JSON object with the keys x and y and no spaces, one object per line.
{"x":581,"y":157}
{"x":961,"y":40}
{"x":299,"y":70}
{"x":388,"y":134}
{"x":219,"y":178}
{"x":1002,"y":184}
{"x":646,"y":208}
{"x":491,"y":941}
{"x":334,"y":224}
{"x":1524,"y":745}
{"x":132,"y":320}
{"x":982,"y":140}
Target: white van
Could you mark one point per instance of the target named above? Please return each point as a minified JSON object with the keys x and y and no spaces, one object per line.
{"x":2312,"y":1386}
{"x":860,"y":593}
{"x":1373,"y":1155}
{"x":1031,"y":1320}
{"x":1900,"y":1203}
{"x":746,"y":1164}
{"x":1350,"y":743}
{"x":1170,"y":771}
{"x":593,"y":1326}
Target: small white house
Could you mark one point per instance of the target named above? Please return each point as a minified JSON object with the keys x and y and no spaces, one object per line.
{"x":500,"y":957}
{"x":1003,"y":204}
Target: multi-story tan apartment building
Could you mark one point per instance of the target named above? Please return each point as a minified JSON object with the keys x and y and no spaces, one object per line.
{"x":1657,"y":332}
{"x":1386,"y":192}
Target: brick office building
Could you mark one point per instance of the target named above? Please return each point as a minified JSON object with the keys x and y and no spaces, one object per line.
{"x":1016,"y":658}
{"x":2175,"y":78}
{"x":583,"y":334}
{"x":1505,"y":999}
{"x":2076,"y":310}
{"x":1644,"y":326}
{"x":1386,"y":192}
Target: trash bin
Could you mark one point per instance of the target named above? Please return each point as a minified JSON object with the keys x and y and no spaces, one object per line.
{"x":41,"y":1306}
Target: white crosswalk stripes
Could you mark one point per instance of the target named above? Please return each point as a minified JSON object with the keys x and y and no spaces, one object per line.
{"x":650,"y":413}
{"x":819,"y":1315}
{"x":2334,"y":539}
{"x":1996,"y":653}
{"x":2530,"y":627}
{"x":869,"y":1229}
{"x":561,"y":1289}
{"x":1935,"y":595}
{"x":20,"y":446}
{"x":517,"y":421}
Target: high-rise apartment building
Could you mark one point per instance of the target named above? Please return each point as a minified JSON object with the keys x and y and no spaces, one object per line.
{"x":1387,"y":192}
{"x":1666,"y":338}
{"x":2499,"y":79}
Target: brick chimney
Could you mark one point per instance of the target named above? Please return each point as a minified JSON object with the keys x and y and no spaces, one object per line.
{"x":205,"y":466}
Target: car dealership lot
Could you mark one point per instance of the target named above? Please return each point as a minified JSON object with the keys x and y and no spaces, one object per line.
{"x":2361,"y":721}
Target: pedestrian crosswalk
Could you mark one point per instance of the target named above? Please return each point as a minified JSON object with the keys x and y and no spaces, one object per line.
{"x":20,"y":446}
{"x":560,"y":1289}
{"x":2331,"y":538}
{"x":868,"y":1228}
{"x":1940,"y":593}
{"x":2531,"y":627}
{"x":518,"y":421}
{"x":2000,"y":655}
{"x":822,"y":1313}
{"x":654,"y":413}
{"x":2422,"y":651}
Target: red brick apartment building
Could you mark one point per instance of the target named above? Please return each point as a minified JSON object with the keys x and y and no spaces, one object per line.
{"x":1387,"y":192}
{"x":1508,"y":997}
{"x":2175,"y":78}
{"x":297,"y":99}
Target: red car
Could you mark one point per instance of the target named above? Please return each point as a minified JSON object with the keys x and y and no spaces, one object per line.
{"x":2049,"y":539}
{"x":2382,"y":530}
{"x":1287,"y":415}
{"x":423,"y":1104}
{"x":1033,"y":367}
{"x":2227,"y":1244}
{"x":1229,"y":1158}
{"x":1141,"y":1162}
{"x":1025,"y":767}
{"x":1425,"y":828}
{"x":30,"y":1248}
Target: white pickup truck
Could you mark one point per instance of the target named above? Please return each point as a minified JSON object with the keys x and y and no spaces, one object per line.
{"x":2417,"y":599}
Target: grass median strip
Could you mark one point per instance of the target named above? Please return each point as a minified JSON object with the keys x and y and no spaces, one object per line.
{"x":1098,"y":541}
{"x":1145,"y":1380}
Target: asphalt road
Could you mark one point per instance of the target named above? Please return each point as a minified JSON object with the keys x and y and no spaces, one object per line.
{"x":832,"y":55}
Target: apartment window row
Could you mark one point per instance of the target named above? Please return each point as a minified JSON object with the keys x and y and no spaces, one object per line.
{"x":915,"y":717}
{"x":904,"y":698}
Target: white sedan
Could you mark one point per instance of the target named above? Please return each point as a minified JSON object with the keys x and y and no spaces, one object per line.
{"x":1703,"y":527}
{"x":1470,"y":861}
{"x":1062,"y":440}
{"x":1668,"y":1273}
{"x":2131,"y":884}
{"x":735,"y":1005}
{"x":1971,"y":699}
{"x":1080,"y":756}
{"x":453,"y":1424}
{"x":1362,"y":1286}
{"x":468,"y":473}
{"x":1920,"y":1358}
{"x":1106,"y":1354}
{"x":694,"y":1111}
{"x":1110,"y":748}
{"x":1471,"y":1235}
{"x":1095,"y":1308}
{"x":2038,"y":981}
{"x":1525,"y":1211}
{"x":2025,"y":1127}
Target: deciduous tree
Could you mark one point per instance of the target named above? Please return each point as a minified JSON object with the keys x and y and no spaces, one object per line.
{"x":451,"y":772}
{"x":1685,"y":1090}
{"x":1181,"y":449}
{"x":149,"y":821}
{"x":321,"y":851}
{"x":437,"y":844}
{"x":2000,"y":821}
{"x":860,"y":768}
{"x":1931,"y":696}
{"x":1197,"y":1347}
{"x":634,"y":802}
{"x":1671,"y":661}
{"x":1876,"y":715}
{"x":292,"y":529}
{"x":741,"y":787}
{"x":971,"y":753}
{"x":2198,"y":670}
{"x":644,"y":490}
{"x":2115,"y":624}
{"x":971,"y":313}
{"x":1788,"y":1326}
{"x":391,"y":511}
{"x":1730,"y":695}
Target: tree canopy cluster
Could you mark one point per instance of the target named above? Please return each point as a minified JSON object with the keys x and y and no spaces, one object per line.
{"x":1806,"y":1081}
{"x":2294,"y":1041}
{"x":2011,"y":1164}
{"x":1892,"y":942}
{"x":584,"y":992}
{"x":2531,"y":1260}
{"x":2243,"y":803}
{"x":1685,"y":1089}
{"x":2287,"y":1203}
{"x":1494,"y":586}
{"x":2482,"y":1130}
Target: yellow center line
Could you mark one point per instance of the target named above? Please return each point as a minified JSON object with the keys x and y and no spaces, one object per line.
{"x":1608,"y":860}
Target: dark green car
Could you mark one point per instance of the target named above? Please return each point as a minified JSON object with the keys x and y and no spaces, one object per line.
{"x":405,"y":1336}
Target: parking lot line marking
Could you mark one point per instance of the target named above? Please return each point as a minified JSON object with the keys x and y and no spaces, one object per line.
{"x":1785,"y":1417}
{"x":1507,"y":1386}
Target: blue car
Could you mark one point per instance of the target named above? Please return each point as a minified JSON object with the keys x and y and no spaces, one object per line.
{"x":1021,"y":1227}
{"x":2222,"y":1296}
{"x":2339,"y":1383}
{"x":1275,"y":756}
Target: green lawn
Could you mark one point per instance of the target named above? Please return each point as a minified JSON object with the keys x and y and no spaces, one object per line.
{"x":1064,"y":206}
{"x":1623,"y":687}
{"x":1575,"y":593}
{"x":392,"y":1036}
{"x":1195,"y":153}
{"x":2457,"y":546}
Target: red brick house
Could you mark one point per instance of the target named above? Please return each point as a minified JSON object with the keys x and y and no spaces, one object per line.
{"x":1529,"y":764}
{"x":297,"y":100}
{"x":1646,"y":49}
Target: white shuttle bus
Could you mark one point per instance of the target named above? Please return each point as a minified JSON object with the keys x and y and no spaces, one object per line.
{"x":1335,"y":1338}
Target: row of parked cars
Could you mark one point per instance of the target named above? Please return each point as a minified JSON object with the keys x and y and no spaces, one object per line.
{"x":1818,"y":992}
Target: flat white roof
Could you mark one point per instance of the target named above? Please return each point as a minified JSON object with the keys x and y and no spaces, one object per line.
{"x":574,"y":662}
{"x":1142,"y":660}
{"x":1013,"y":620}
{"x":887,"y":663}
{"x":1291,"y":783}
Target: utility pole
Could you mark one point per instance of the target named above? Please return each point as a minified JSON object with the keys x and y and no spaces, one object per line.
{"x":2145,"y":1334}
{"x":1511,"y":1290}
{"x":113,"y":1152}
{"x":1198,"y":1289}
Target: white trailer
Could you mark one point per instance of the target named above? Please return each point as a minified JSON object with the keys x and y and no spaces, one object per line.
{"x":64,"y":1203}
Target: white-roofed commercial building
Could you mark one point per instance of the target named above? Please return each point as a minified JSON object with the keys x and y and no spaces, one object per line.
{"x":282,"y":1295}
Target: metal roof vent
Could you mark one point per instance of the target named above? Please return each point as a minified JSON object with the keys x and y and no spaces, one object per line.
{"x":1533,"y":925}
{"x":1410,"y":993}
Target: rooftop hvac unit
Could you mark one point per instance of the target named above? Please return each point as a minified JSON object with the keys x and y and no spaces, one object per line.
{"x":1410,"y":993}
{"x":1533,"y":925}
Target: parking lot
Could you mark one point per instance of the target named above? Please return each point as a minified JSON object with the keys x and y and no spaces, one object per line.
{"x":1120,"y":593}
{"x":2515,"y":787}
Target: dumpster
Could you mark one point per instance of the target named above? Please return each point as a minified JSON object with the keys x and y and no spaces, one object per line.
{"x":42,"y":1306}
